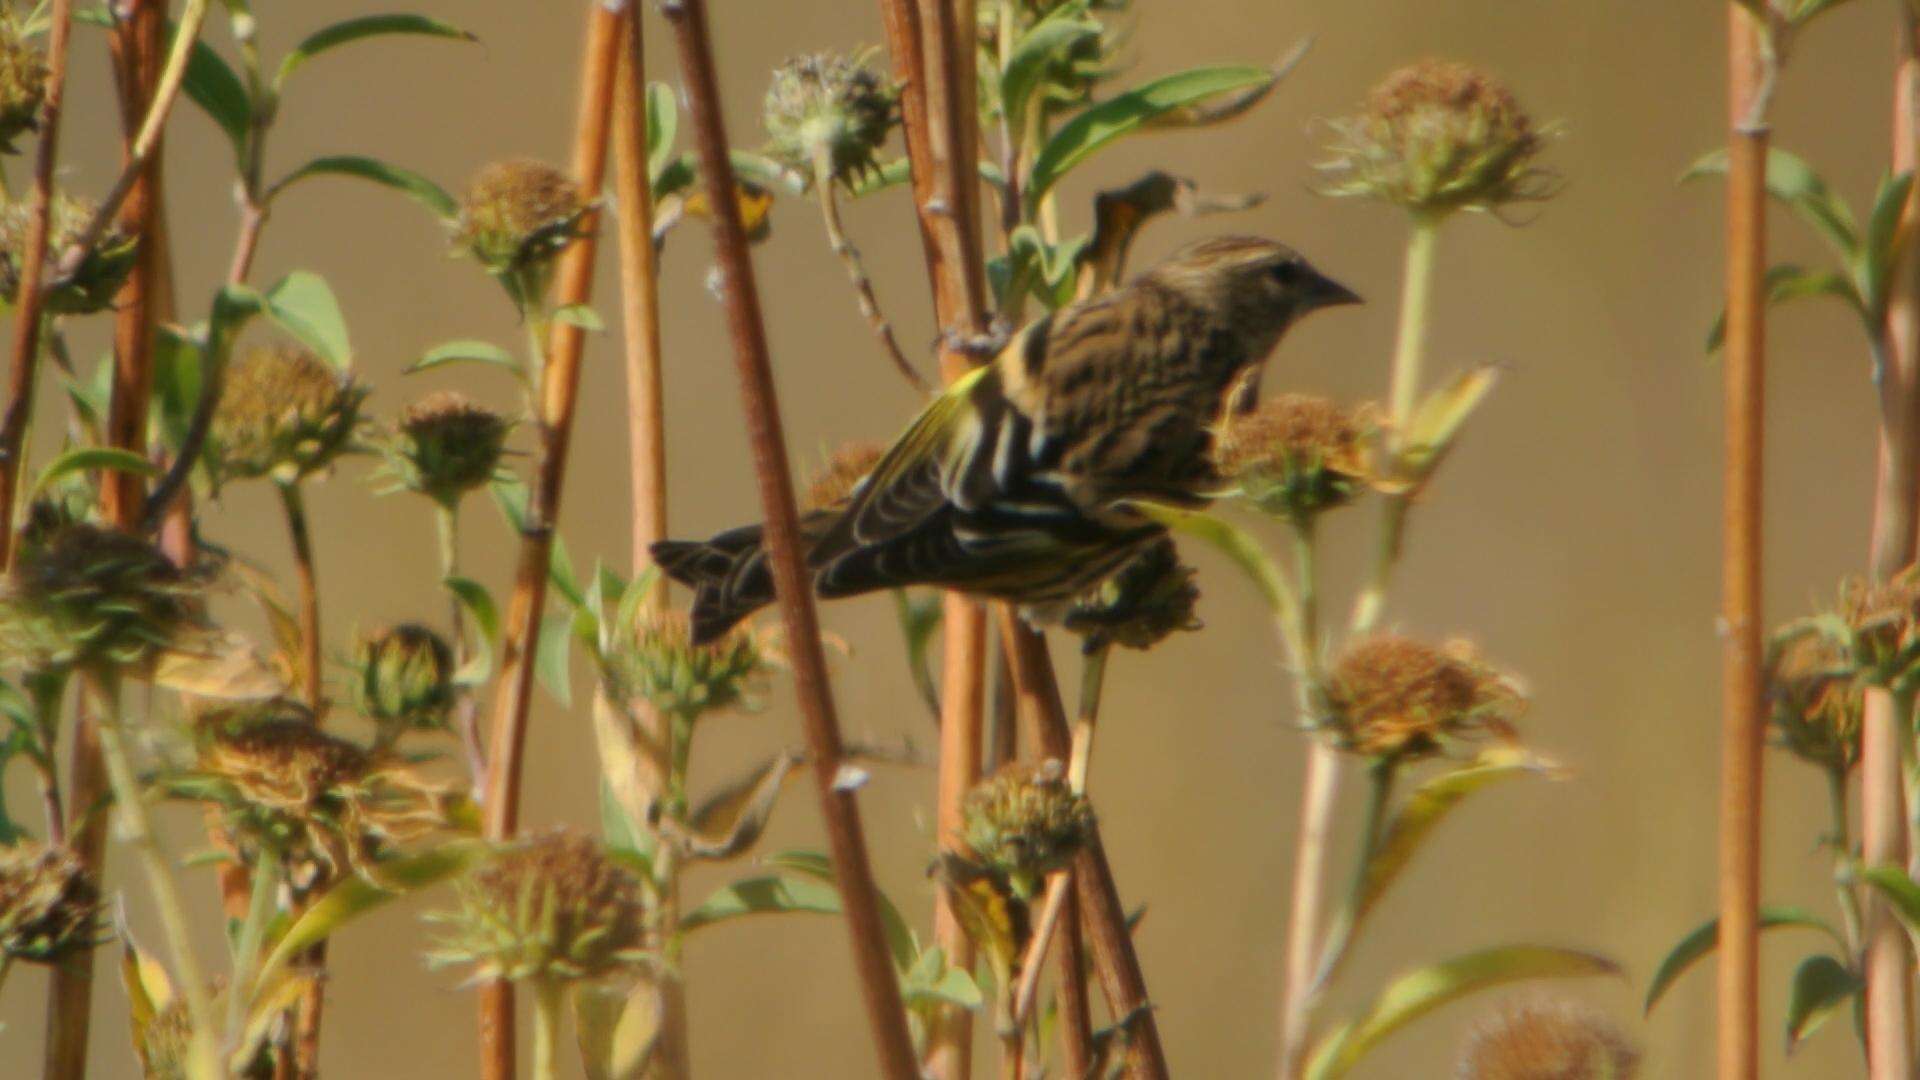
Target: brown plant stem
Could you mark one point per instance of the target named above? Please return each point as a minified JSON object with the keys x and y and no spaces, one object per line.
{"x":647,"y":459}
{"x":1104,"y":919}
{"x":792,"y":584}
{"x":1741,"y":694}
{"x":559,"y":385}
{"x":293,"y":505}
{"x":1887,"y":959}
{"x":856,"y":269}
{"x":30,"y":303}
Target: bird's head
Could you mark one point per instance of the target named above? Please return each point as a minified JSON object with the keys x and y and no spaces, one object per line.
{"x":1259,"y":286}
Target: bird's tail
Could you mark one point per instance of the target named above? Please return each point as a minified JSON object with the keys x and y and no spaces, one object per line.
{"x":728,"y":574}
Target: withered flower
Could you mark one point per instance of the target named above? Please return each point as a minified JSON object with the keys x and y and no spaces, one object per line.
{"x":1436,"y":137}
{"x":552,"y":906}
{"x":1882,"y":621}
{"x":1149,"y":599}
{"x":1547,"y":1039}
{"x":323,"y":805}
{"x":1393,"y":699}
{"x":1295,"y":456}
{"x":23,"y":84}
{"x":87,"y":597}
{"x":446,"y":445}
{"x":1818,"y":704}
{"x":1023,"y":823}
{"x":829,"y":111}
{"x":655,"y":659}
{"x":49,"y":905}
{"x":518,"y":216}
{"x":405,"y":679}
{"x":284,"y":414}
{"x":102,"y":268}
{"x":834,"y":484}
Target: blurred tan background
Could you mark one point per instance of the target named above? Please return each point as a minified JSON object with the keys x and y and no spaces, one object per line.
{"x":1574,"y":535}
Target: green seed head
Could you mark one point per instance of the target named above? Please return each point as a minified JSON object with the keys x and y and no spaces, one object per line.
{"x":1023,"y":823}
{"x":518,"y":215}
{"x":1150,"y":599}
{"x":1883,"y":628}
{"x":1818,"y":703}
{"x":405,"y":677}
{"x":91,"y":598}
{"x":49,"y":906}
{"x":284,"y":414}
{"x":446,"y":446}
{"x":23,"y":85}
{"x":832,"y":109}
{"x":657,"y":661}
{"x":101,"y":272}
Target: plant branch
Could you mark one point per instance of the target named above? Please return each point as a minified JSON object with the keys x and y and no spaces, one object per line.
{"x":792,"y":584}
{"x":1319,"y":794}
{"x":849,"y":257}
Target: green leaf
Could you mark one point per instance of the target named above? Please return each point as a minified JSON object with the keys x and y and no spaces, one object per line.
{"x":466,"y":351}
{"x":208,"y":82}
{"x":890,"y":174}
{"x":405,"y":181}
{"x":816,"y":865}
{"x":618,"y":1028}
{"x":1062,"y":29}
{"x":1821,"y":985}
{"x":1899,"y":889}
{"x":560,"y":572}
{"x":92,"y":459}
{"x":663,"y":118}
{"x":768,"y":895}
{"x":579,"y":315}
{"x":551,"y":655}
{"x":1792,"y":181}
{"x":1419,"y":992}
{"x":302,"y":304}
{"x":1706,"y":937}
{"x":1874,"y":269}
{"x":348,"y":31}
{"x":355,"y":896}
{"x":920,"y":617}
{"x":1122,"y":115}
{"x":933,"y":981}
{"x":1789,"y":282}
{"x":1233,"y":542}
{"x":478,"y":603}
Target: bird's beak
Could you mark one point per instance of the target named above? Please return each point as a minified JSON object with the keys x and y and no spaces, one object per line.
{"x":1326,"y":292}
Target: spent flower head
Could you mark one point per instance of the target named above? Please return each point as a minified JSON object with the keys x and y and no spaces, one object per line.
{"x":1818,"y":704}
{"x":1547,"y":1039}
{"x":445,"y":446}
{"x":283,"y":414}
{"x":23,"y":83}
{"x":102,"y":268}
{"x":552,"y":906}
{"x":655,"y":659}
{"x":404,"y":679}
{"x":81,"y":596}
{"x":1023,"y":823}
{"x":49,"y":905}
{"x":1151,"y":598}
{"x":1882,"y":627}
{"x":832,"y":112}
{"x":834,"y":484}
{"x":1295,"y":455}
{"x":1439,"y":136}
{"x":1394,"y":699}
{"x":518,"y":215}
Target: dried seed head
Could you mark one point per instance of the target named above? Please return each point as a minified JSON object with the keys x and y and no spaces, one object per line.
{"x":1818,"y":704}
{"x":1394,"y":699}
{"x":447,"y":445}
{"x":656,"y":660}
{"x":550,"y":907}
{"x":23,"y":84}
{"x":49,"y":905}
{"x":518,"y":215}
{"x":102,"y":269}
{"x":283,"y":414}
{"x":833,"y":485}
{"x":1296,"y":455}
{"x":1024,"y":823}
{"x":84,"y":597}
{"x":1436,"y":137}
{"x":832,"y":110}
{"x":1547,"y":1039}
{"x":1883,"y":621}
{"x":1149,"y":599}
{"x":405,"y":678}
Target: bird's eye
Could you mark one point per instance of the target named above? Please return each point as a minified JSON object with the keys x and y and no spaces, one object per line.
{"x":1286,"y":273}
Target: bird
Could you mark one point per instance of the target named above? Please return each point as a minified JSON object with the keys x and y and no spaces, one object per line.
{"x":1017,"y":482}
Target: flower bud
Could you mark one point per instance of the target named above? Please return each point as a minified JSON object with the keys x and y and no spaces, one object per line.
{"x":1393,"y":699}
{"x":829,"y":113}
{"x":1150,"y":598}
{"x":656,"y":660}
{"x":1547,"y":1039}
{"x":1295,"y":456}
{"x":87,"y":597}
{"x":102,"y":269}
{"x":518,"y":215}
{"x":1437,"y":137}
{"x":1024,"y":823}
{"x":446,"y":445}
{"x":550,"y":907}
{"x":283,"y":414}
{"x":49,"y":905}
{"x":405,"y":678}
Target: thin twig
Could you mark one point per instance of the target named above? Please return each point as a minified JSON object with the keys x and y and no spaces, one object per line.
{"x":1741,"y":695}
{"x":849,"y":257}
{"x":858,"y":895}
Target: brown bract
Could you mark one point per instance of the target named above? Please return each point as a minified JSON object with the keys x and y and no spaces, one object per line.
{"x":49,"y":905}
{"x":1818,"y":704}
{"x":1547,"y":1039}
{"x":833,"y":485}
{"x":518,"y":212}
{"x":1296,"y":454}
{"x":80,"y":596}
{"x":284,"y":414}
{"x":1393,"y":698}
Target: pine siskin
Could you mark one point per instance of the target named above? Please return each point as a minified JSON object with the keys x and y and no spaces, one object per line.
{"x":1015,"y":483}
